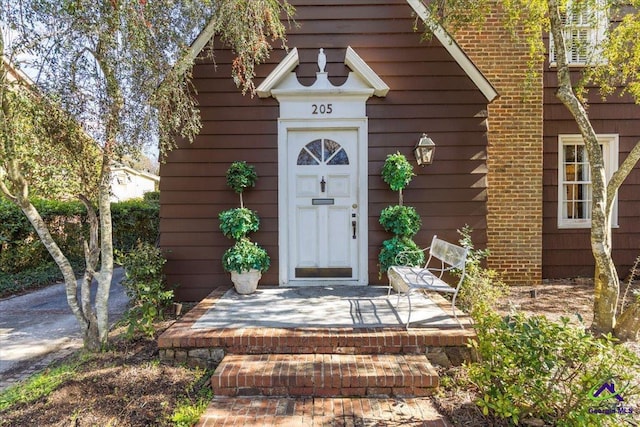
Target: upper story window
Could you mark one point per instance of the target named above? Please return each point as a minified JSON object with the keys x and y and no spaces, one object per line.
{"x":574,"y":179}
{"x":584,"y":30}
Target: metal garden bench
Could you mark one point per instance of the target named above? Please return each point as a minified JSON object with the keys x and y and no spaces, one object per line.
{"x":406,"y":278}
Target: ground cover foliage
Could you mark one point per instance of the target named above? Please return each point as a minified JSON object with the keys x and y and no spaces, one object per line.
{"x":533,"y":370}
{"x":26,"y":264}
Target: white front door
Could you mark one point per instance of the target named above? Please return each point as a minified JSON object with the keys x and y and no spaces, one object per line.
{"x":323,"y":205}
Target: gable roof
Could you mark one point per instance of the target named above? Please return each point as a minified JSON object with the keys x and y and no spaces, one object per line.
{"x":455,"y":51}
{"x":447,"y":41}
{"x":118,"y":167}
{"x":14,"y":74}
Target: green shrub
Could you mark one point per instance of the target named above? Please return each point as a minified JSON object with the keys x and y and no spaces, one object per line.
{"x":20,"y":246}
{"x":531,"y":367}
{"x":238,"y":222}
{"x":402,"y":221}
{"x":534,"y":368}
{"x":397,"y":171}
{"x":240,"y":176}
{"x":151,"y":197}
{"x":481,"y":288}
{"x":244,"y":256}
{"x":134,"y":221}
{"x":394,"y":246}
{"x":145,"y":286}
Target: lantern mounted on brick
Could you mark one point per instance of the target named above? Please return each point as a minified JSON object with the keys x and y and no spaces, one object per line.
{"x":424,"y":150}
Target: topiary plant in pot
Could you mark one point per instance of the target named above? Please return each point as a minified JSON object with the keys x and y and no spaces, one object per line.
{"x":245,"y":260}
{"x":403,"y":221}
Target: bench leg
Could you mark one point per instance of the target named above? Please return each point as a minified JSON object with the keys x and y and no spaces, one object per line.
{"x":409,"y":316}
{"x":453,"y":310}
{"x":397,"y":294}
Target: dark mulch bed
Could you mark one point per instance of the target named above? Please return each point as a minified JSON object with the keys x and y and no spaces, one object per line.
{"x":125,"y":386}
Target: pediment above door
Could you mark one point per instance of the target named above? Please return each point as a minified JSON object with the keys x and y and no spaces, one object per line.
{"x":362,"y":80}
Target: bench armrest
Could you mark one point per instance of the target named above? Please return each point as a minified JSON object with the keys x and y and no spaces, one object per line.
{"x":403,"y":257}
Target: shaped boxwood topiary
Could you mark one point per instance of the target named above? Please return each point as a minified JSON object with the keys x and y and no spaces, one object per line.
{"x":238,"y":222}
{"x":245,"y":260}
{"x":241,"y":176}
{"x":391,"y":248}
{"x":401,"y":220}
{"x":398,"y":173}
{"x":245,"y":256}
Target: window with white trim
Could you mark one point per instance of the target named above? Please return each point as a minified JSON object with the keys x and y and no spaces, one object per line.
{"x":574,"y":179}
{"x":584,"y":30}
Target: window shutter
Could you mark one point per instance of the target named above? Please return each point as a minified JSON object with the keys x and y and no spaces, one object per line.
{"x":581,"y":35}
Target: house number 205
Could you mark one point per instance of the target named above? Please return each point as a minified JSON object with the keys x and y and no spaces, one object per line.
{"x":321,"y":108}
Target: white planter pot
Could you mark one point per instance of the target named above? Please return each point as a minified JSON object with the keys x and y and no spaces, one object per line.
{"x":246,"y":282}
{"x":396,"y":282}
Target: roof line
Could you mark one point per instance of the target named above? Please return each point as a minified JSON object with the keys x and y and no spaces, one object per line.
{"x":454,"y":49}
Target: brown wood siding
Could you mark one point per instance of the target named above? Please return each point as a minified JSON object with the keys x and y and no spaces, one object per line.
{"x":429,"y":93}
{"x":567,"y":252}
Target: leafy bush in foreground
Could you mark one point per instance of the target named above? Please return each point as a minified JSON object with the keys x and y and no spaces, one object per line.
{"x":145,"y":287}
{"x":533,"y":368}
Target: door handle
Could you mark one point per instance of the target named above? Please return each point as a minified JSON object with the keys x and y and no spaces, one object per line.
{"x":353,"y":224}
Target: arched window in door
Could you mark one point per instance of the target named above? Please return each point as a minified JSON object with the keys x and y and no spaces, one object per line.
{"x":322,"y":151}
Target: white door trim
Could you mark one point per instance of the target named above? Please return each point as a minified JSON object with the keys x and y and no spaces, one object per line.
{"x":360,"y":125}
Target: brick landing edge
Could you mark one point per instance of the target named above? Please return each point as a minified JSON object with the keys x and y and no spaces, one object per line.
{"x":317,"y":411}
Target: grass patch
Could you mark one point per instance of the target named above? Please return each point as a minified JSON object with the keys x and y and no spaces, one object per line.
{"x":194,"y":403}
{"x":39,"y":385}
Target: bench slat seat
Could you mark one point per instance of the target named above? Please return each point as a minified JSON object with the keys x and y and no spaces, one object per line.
{"x":418,"y":277}
{"x":406,"y":278}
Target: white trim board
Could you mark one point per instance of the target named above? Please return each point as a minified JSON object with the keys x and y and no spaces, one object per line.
{"x":352,"y":60}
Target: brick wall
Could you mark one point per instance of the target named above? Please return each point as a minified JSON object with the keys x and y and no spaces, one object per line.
{"x":514,"y":222}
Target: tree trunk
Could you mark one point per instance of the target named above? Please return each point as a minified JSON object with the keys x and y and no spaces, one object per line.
{"x":91,"y":253}
{"x":20,"y":196}
{"x":60,"y":259}
{"x":106,"y":251}
{"x":628,"y":326}
{"x":606,"y":280}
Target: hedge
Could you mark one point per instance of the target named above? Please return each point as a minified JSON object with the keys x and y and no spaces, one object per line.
{"x":20,"y":248}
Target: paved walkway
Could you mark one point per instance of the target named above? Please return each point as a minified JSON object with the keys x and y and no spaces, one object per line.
{"x":39,"y":328}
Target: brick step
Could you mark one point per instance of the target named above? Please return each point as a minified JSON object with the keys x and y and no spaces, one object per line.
{"x":321,"y":411}
{"x":324,"y":375}
{"x":296,"y":341}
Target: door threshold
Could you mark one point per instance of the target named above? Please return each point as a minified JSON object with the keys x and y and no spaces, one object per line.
{"x":309,"y":283}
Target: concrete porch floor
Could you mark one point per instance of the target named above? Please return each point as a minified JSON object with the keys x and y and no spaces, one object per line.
{"x":343,"y":319}
{"x":324,"y":307}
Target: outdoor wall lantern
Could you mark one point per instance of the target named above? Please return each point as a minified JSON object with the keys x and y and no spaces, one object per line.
{"x":424,"y":150}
